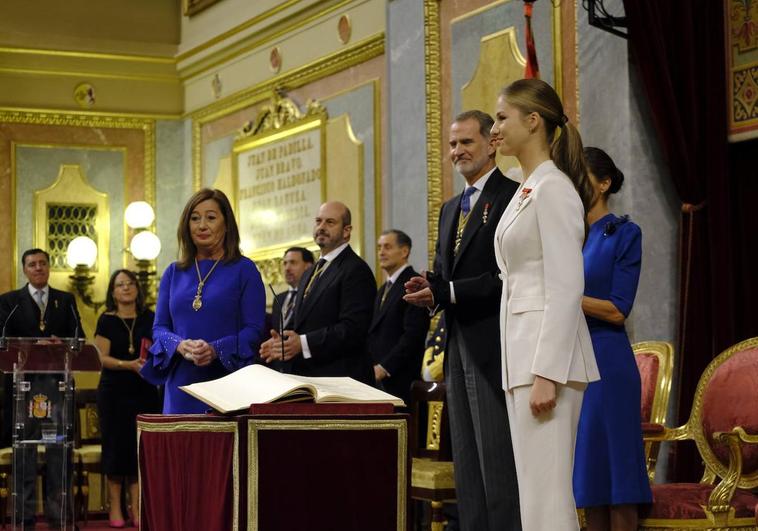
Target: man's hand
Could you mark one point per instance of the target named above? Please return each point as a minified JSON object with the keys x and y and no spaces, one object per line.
{"x":418,"y":292}
{"x":379,"y":373}
{"x":415,"y":284}
{"x":271,"y":349}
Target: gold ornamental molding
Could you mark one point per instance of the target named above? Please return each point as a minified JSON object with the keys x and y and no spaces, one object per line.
{"x":432,"y":67}
{"x":292,"y":23}
{"x":331,"y":64}
{"x":282,"y":112}
{"x":147,"y":126}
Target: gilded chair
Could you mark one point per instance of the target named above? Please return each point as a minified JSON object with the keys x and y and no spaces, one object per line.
{"x":87,"y":450}
{"x":432,"y":468}
{"x":724,"y":425}
{"x":655,"y":360}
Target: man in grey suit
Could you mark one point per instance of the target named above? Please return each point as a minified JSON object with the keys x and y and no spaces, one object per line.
{"x":466,"y":285}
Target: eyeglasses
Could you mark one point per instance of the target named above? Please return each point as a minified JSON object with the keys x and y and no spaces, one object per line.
{"x":127,"y":284}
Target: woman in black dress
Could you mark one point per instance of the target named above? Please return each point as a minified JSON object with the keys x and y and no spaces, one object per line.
{"x":122,"y":393}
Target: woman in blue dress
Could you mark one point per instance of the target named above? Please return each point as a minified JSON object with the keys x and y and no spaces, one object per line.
{"x":211,"y":305}
{"x":610,"y":475}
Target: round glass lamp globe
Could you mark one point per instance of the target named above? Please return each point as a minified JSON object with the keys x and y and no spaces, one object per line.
{"x":145,"y":245}
{"x":81,"y":251}
{"x":139,"y":215}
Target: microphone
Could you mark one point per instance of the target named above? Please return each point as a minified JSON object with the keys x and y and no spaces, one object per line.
{"x":74,"y":345}
{"x":3,"y":339}
{"x":281,"y":326}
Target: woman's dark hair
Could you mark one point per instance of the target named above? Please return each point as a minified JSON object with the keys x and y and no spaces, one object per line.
{"x":534,"y":95}
{"x":602,"y":167}
{"x":110,"y":302}
{"x":187,"y":248}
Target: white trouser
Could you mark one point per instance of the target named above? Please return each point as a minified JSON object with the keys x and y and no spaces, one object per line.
{"x":543,"y":448}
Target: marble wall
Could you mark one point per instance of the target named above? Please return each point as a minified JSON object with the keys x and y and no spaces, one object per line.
{"x":405,"y":186}
{"x":173,"y":183}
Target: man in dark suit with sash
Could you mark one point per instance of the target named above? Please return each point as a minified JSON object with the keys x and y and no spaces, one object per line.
{"x":466,"y":285}
{"x":333,"y":307}
{"x":38,"y":310}
{"x":398,"y":329}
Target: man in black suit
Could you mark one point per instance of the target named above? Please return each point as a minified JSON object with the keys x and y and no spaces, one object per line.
{"x":466,"y":285}
{"x":398,"y":330}
{"x":38,"y":310}
{"x":297,"y":260}
{"x":333,"y":307}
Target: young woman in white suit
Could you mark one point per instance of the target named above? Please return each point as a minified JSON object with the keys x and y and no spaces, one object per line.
{"x":546,"y":347}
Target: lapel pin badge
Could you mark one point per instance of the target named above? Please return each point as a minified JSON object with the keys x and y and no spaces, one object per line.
{"x":524,"y":194}
{"x":486,"y":213}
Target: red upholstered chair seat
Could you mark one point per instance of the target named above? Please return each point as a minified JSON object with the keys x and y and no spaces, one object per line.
{"x":685,"y":501}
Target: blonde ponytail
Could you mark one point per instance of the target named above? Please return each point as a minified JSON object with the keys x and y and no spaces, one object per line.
{"x":567,"y":153}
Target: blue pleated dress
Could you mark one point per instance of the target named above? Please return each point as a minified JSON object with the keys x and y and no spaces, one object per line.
{"x":609,"y":464}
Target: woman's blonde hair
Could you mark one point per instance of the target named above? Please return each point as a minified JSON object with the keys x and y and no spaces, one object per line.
{"x":566,"y":150}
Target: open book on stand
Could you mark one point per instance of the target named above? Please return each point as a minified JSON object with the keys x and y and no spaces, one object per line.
{"x":257,"y":384}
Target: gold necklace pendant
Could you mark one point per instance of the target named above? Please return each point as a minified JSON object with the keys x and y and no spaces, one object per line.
{"x":130,"y":330}
{"x":197,"y":302}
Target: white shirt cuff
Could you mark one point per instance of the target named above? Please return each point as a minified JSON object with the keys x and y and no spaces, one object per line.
{"x":304,"y":347}
{"x":452,"y":293}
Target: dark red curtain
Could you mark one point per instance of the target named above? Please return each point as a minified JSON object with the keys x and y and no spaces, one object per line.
{"x":678,"y":48}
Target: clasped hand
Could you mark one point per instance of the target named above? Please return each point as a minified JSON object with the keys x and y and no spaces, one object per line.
{"x":276,"y":349}
{"x":418,"y":292}
{"x":198,"y":351}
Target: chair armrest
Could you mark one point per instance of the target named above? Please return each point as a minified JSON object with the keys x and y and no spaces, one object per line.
{"x":657,"y":432}
{"x":744,"y":436}
{"x":719,"y":502}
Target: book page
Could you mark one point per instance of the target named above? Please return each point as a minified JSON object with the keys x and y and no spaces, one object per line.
{"x":253,"y":384}
{"x":344,"y":389}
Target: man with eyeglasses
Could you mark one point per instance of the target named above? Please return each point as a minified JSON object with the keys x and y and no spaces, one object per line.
{"x":37,"y":310}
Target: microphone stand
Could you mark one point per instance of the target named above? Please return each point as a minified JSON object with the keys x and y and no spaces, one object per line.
{"x":281,"y":326}
{"x":3,"y":339}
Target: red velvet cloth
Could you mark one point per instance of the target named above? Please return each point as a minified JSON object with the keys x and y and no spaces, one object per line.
{"x":172,"y":464}
{"x":685,"y":501}
{"x":648,"y":366}
{"x":731,"y":400}
{"x":678,"y":48}
{"x":305,"y":490}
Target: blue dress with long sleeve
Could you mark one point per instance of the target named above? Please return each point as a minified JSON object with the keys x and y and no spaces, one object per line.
{"x":230,"y":319}
{"x":609,"y":464}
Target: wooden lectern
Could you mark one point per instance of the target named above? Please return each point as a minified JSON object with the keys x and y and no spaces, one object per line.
{"x":281,"y":466}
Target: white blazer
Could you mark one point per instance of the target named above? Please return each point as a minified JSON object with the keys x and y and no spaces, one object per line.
{"x":538,"y":246}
